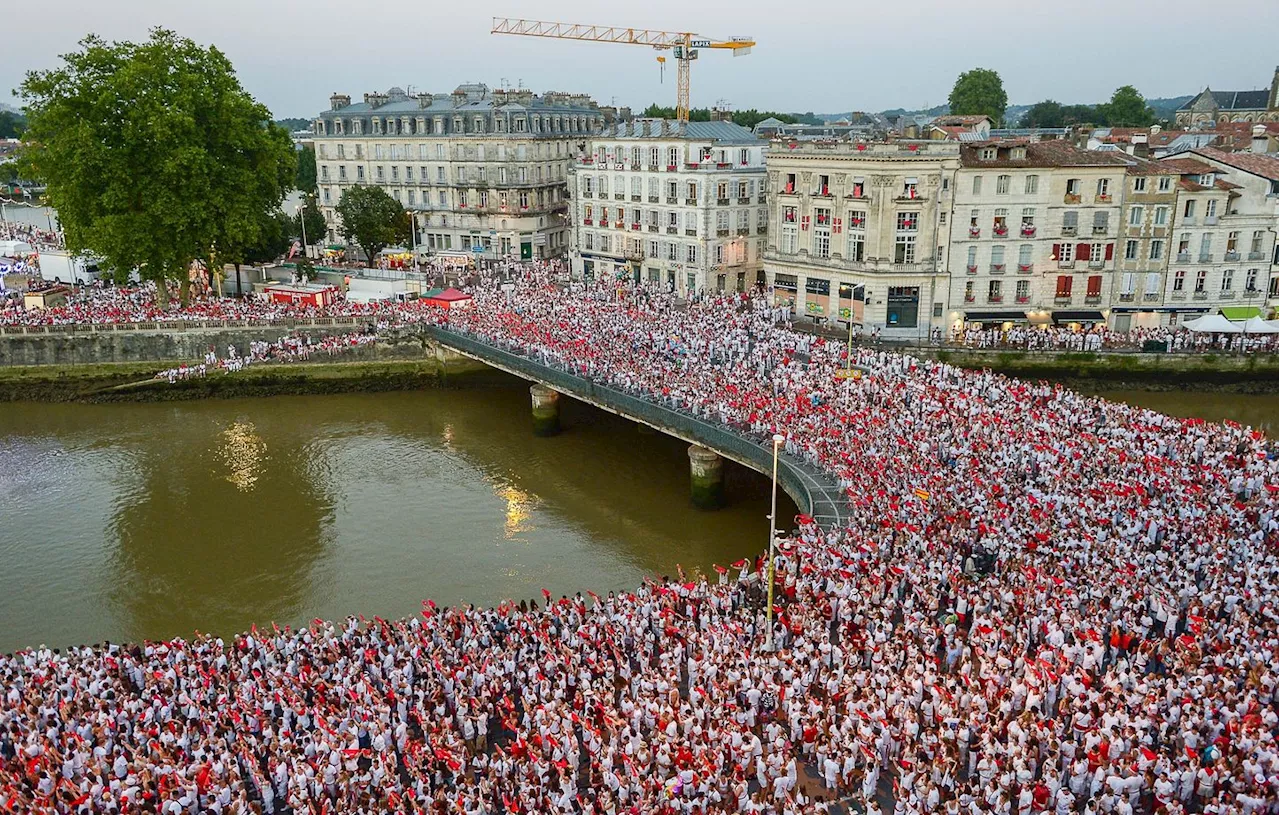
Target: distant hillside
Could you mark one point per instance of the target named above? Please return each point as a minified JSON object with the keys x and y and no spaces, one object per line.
{"x":1166,"y":106}
{"x":294,"y":124}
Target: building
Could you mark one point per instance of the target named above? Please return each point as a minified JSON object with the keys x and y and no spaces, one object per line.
{"x":481,"y":171}
{"x":1210,"y":106}
{"x":1147,"y":220}
{"x":682,"y":205}
{"x":1033,"y":234}
{"x":858,"y":232}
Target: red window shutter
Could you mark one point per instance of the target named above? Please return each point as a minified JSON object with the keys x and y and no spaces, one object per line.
{"x":1111,"y":250}
{"x":1095,"y":285}
{"x":1056,"y":250}
{"x":1082,"y":251}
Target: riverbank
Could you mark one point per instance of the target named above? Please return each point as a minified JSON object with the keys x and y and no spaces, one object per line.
{"x":135,"y":382}
{"x":1221,"y":373}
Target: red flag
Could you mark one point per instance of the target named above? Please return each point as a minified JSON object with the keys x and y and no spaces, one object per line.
{"x":546,"y":594}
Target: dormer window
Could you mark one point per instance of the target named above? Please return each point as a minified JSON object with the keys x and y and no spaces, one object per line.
{"x":988,"y":154}
{"x":1206,"y":180}
{"x":1018,"y":153}
{"x":457,"y":124}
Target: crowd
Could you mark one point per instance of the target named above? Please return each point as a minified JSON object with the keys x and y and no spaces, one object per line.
{"x":29,"y":233}
{"x":293,"y":348}
{"x":1041,"y":602}
{"x":1098,"y":338}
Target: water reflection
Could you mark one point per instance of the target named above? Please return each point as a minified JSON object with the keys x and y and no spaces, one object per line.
{"x":243,"y":452}
{"x":519,"y":506}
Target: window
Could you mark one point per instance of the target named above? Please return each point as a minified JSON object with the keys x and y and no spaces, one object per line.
{"x":997,"y":258}
{"x":822,"y":216}
{"x":1065,"y":252}
{"x":1024,"y":256}
{"x":395,"y":172}
{"x":1179,"y":280}
{"x":462,"y":198}
{"x":977,"y":185}
{"x":1228,"y":277}
{"x":1251,"y":280}
{"x":788,"y":215}
{"x":1255,"y":246}
{"x":789,"y":239}
{"x":973,"y":258}
{"x":907,"y":221}
{"x":1099,"y":221}
{"x":1131,"y":250}
{"x":822,"y":242}
{"x":360,"y":173}
{"x":1096,"y":252}
{"x":673,"y":156}
{"x":816,"y":285}
{"x":1233,"y":241}
{"x":1018,"y":153}
{"x":909,"y":188}
{"x":1157,"y":250}
{"x":1135,"y":216}
{"x":1189,"y":211}
{"x":1139,"y":185}
{"x":855,"y":248}
{"x":1211,"y":208}
{"x":968,"y":291}
{"x":1206,"y":244}
{"x":1162,"y":216}
{"x":590,"y":241}
{"x":1070,"y":219}
{"x":1073,"y":186}
{"x":743,"y":156}
{"x":988,"y":154}
{"x":691,"y":253}
{"x":1032,"y":184}
{"x":994,"y":291}
{"x":1063,"y":290}
{"x":1104,"y":187}
{"x":1206,"y":180}
{"x":1184,"y":243}
{"x":1166,"y":184}
{"x":1126,"y":283}
{"x":784,"y":281}
{"x":1200,"y":279}
{"x":1094,"y":286}
{"x":691,"y":192}
{"x":904,"y":249}
{"x":1002,"y":184}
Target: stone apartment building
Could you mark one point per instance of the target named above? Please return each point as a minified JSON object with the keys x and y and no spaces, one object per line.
{"x":1146,"y":230}
{"x":1224,"y":233}
{"x":1033,"y":234}
{"x":481,"y":171}
{"x":858,"y":231}
{"x":681,"y":205}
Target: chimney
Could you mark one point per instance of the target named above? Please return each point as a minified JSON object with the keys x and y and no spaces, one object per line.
{"x":338,"y":101}
{"x":1141,"y":147}
{"x":1258,"y":144}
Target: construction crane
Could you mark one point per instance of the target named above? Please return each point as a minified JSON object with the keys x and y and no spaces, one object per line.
{"x":682,"y":45}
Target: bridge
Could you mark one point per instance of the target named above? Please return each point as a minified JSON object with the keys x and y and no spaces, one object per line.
{"x":814,"y":492}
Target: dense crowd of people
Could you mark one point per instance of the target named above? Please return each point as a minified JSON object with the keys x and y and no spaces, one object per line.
{"x":292,"y":348}
{"x":1100,"y":338}
{"x":1041,"y":602}
{"x":31,"y":234}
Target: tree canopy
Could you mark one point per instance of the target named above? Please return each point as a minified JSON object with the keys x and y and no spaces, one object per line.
{"x":979,"y":92}
{"x":1127,"y":108}
{"x":11,"y":124}
{"x":153,"y":154}
{"x":1044,"y":114}
{"x":306,"y":176}
{"x":746,"y":118}
{"x":372,"y":220}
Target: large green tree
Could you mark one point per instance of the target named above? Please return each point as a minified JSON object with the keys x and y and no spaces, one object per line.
{"x":1043,"y":114}
{"x":11,"y":124}
{"x":153,"y":154}
{"x":1127,"y":108}
{"x":979,"y":92}
{"x":372,"y":220}
{"x":306,"y":177}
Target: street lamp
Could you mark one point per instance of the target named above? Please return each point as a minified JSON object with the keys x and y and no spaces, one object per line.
{"x":773,"y":539}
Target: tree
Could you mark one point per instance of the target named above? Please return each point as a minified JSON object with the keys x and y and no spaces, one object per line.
{"x":153,"y":154}
{"x":309,"y":222}
{"x":372,"y":220}
{"x":306,"y":176}
{"x":1081,"y":115}
{"x":979,"y":92}
{"x":11,"y":124}
{"x":1043,"y":114}
{"x":1127,"y":108}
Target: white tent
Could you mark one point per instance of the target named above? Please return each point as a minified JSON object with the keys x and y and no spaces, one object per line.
{"x":1257,"y":325}
{"x":1214,"y":324}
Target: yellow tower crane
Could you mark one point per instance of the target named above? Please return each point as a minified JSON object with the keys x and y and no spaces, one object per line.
{"x":682,"y":45}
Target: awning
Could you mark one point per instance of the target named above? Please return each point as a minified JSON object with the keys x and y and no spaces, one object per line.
{"x":1241,"y":312}
{"x":1077,"y":316}
{"x":995,"y":316}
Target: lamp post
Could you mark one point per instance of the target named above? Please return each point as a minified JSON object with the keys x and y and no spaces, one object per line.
{"x":773,"y":538}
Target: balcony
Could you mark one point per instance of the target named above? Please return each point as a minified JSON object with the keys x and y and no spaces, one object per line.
{"x":1188,"y":220}
{"x":1070,"y":198}
{"x":969,"y":298}
{"x":975,"y":232}
{"x":1022,"y":298}
{"x":620,"y":196}
{"x":744,"y":200}
{"x":1092,"y":299}
{"x":1062,"y":300}
{"x":691,"y":202}
{"x":635,"y":227}
{"x":1000,"y":231}
{"x":971,"y":269}
{"x":722,"y":233}
{"x":995,"y":298}
{"x":1151,"y":297}
{"x":1178,"y":295}
{"x":671,"y":230}
{"x":1206,"y":258}
{"x":1066,"y":264}
{"x":691,"y":232}
{"x":1102,"y":198}
{"x":671,"y":200}
{"x":653,"y":199}
{"x":1028,"y":231}
{"x":588,"y":222}
{"x":1024,"y":268}
{"x":653,"y":227}
{"x":1200,"y":295}
{"x":1255,"y":256}
{"x":787,"y":191}
{"x":1231,"y":255}
{"x":997,"y":268}
{"x":1099,"y":229}
{"x":722,"y":202}
{"x":1068,"y":230}
{"x":761,"y":230}
{"x":1210,"y":220}
{"x":1184,"y":257}
{"x":1126,"y":297}
{"x":671,"y":168}
{"x":636,"y":198}
{"x":1097,"y":264}
{"x":603,"y":196}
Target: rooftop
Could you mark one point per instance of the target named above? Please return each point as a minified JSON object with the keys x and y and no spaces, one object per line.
{"x":717,"y":132}
{"x":1052,"y":153}
{"x":1266,"y":165}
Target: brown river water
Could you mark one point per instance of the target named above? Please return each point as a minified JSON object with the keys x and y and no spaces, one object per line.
{"x":131,"y":521}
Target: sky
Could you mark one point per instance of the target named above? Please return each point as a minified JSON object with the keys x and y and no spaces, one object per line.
{"x":816,"y":56}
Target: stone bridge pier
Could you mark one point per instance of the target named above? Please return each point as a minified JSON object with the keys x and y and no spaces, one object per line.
{"x":706,"y":477}
{"x":546,"y":410}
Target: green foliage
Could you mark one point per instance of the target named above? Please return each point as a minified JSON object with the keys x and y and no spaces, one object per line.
{"x":1044,"y":114}
{"x":746,"y":118}
{"x":310,"y":217}
{"x":372,"y":220}
{"x":306,"y":175}
{"x":153,"y":154}
{"x":1081,"y":115}
{"x":294,"y":124}
{"x":979,"y":92}
{"x":1127,"y":108}
{"x":12,"y":124}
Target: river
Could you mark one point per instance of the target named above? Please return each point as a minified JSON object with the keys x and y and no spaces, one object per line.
{"x":153,"y":520}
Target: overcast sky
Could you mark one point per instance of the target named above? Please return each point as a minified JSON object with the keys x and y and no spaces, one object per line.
{"x":818,"y":55}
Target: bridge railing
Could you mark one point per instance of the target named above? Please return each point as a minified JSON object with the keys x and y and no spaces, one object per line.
{"x":791,"y":474}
